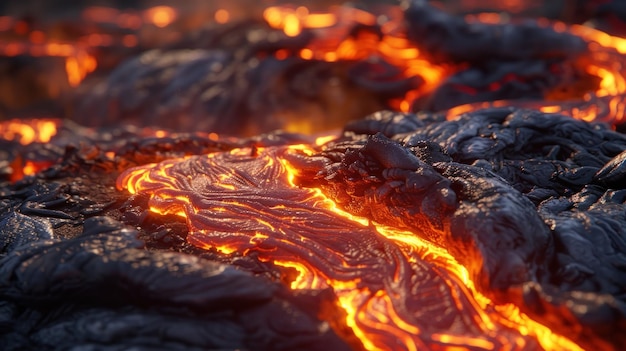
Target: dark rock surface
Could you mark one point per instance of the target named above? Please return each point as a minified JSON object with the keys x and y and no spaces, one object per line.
{"x":102,"y":290}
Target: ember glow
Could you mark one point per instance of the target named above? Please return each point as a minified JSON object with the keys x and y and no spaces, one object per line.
{"x":160,"y":16}
{"x":248,"y":201}
{"x":26,"y":132}
{"x":79,"y":57}
{"x":78,"y":66}
{"x":78,"y":63}
{"x":221,"y":16}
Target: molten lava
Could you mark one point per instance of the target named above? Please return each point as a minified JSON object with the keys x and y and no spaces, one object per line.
{"x":248,"y":201}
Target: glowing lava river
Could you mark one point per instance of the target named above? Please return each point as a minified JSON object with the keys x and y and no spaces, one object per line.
{"x":398,"y":291}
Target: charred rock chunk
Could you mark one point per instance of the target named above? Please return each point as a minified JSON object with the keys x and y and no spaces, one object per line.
{"x":388,"y":123}
{"x":528,"y":148}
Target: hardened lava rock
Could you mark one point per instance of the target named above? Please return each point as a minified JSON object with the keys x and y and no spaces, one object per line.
{"x":102,"y":290}
{"x":470,"y":211}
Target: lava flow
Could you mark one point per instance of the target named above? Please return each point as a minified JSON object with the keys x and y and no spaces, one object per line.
{"x":397,"y":290}
{"x":471,"y":143}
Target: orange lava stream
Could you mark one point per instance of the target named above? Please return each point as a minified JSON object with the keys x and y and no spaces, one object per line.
{"x":507,"y":314}
{"x":412,"y":244}
{"x":365,"y":310}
